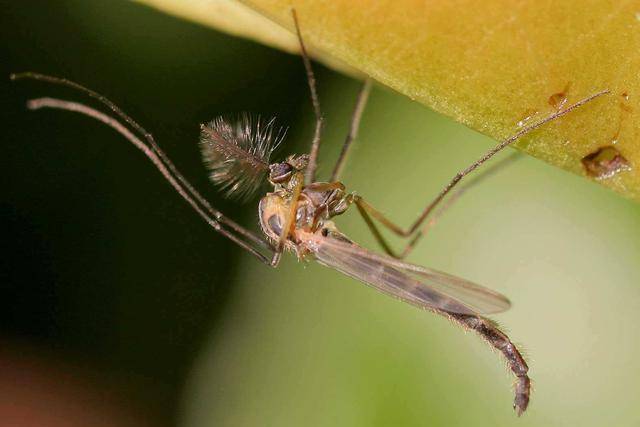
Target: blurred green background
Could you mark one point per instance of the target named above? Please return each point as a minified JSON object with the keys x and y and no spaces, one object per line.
{"x":107,"y":269}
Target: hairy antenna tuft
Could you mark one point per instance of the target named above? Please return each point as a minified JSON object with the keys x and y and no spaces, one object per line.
{"x":237,"y":152}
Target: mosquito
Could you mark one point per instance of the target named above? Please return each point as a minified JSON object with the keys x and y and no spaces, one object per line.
{"x":297,"y":215}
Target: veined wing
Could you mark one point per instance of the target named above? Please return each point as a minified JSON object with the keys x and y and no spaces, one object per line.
{"x":416,"y":285}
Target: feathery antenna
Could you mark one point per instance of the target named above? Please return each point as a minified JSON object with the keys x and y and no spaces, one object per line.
{"x":237,"y":152}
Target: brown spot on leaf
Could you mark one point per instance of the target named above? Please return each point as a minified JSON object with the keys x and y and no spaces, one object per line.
{"x":557,"y":100}
{"x":605,"y":162}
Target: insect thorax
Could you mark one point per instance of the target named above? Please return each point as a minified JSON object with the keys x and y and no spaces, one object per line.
{"x":316,"y":204}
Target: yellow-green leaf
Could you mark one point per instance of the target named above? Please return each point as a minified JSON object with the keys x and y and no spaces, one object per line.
{"x":488,"y":64}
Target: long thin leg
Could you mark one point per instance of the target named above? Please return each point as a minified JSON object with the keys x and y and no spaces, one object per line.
{"x":36,"y":104}
{"x":361,"y":102}
{"x":289,"y":220}
{"x":373,"y":228}
{"x":489,"y":154}
{"x":310,"y":175}
{"x":437,"y":214}
{"x":433,"y":219}
{"x":291,"y":215}
{"x":402,"y":232}
{"x":375,"y":231}
{"x":380,"y":239}
{"x":324,"y":186}
{"x":149,"y":138}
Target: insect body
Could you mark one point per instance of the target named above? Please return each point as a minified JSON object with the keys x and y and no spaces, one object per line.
{"x":314,"y":235}
{"x":314,"y":204}
{"x":298,"y":214}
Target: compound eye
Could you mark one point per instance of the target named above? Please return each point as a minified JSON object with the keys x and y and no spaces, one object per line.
{"x":280,"y":172}
{"x":275,"y":224}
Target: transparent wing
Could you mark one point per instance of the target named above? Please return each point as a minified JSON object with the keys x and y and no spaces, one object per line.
{"x":413,"y":284}
{"x":483,"y":300}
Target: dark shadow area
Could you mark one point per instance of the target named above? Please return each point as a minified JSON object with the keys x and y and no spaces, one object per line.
{"x":102,"y":262}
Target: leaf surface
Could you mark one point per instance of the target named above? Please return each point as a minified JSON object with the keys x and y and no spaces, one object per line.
{"x":491,"y":65}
